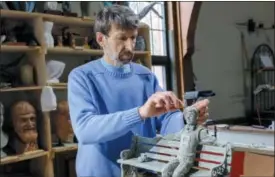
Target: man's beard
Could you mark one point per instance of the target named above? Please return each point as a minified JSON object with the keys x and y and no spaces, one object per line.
{"x":121,"y":58}
{"x":125,"y":57}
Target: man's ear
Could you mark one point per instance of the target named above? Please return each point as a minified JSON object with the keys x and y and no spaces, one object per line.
{"x":100,"y":39}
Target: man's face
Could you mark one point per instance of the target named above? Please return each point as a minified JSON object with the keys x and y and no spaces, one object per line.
{"x":119,"y":44}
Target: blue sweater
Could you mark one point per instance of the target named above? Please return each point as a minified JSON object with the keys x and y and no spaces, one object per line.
{"x":104,"y":102}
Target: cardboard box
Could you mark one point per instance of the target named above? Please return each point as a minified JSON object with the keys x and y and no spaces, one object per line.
{"x":256,"y":165}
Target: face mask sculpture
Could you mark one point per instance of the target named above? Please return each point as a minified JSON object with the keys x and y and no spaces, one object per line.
{"x":23,"y":117}
{"x":63,"y":125}
{"x":190,"y":137}
{"x":3,"y":136}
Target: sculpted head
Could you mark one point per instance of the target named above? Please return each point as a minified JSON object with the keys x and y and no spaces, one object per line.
{"x":116,"y":29}
{"x":23,"y":117}
{"x":191,"y":115}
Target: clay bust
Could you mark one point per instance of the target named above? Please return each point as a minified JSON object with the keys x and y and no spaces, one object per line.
{"x":63,"y":125}
{"x":190,"y":137}
{"x":23,"y":117}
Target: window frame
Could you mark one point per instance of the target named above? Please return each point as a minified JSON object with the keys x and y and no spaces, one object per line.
{"x":164,"y":60}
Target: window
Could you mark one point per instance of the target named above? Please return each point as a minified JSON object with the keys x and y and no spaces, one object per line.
{"x":158,"y":40}
{"x":160,"y":72}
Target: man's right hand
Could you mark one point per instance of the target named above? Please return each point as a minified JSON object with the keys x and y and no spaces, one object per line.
{"x":159,"y":103}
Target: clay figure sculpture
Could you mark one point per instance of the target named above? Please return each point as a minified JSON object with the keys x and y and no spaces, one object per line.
{"x":23,"y":116}
{"x":4,"y":137}
{"x":190,"y":137}
{"x":63,"y":125}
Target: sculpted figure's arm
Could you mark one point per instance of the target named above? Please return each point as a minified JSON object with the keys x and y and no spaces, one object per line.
{"x":88,"y":125}
{"x":206,"y":138}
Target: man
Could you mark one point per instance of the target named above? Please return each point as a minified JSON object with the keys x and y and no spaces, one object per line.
{"x":112,"y":98}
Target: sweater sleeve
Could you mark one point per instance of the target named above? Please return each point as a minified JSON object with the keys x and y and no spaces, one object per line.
{"x":90,"y":127}
{"x":171,"y":122}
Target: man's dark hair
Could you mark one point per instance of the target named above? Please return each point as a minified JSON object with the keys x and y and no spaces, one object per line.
{"x":122,"y":16}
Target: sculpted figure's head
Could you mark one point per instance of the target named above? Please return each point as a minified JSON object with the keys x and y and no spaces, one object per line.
{"x":116,"y":29}
{"x":23,"y":117}
{"x":199,"y":109}
{"x":191,"y":114}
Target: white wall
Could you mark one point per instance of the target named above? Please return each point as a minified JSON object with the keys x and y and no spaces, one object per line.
{"x":217,"y":61}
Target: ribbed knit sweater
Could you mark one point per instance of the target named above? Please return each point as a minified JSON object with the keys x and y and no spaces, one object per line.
{"x":104,"y":101}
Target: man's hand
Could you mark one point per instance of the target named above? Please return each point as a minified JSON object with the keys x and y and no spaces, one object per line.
{"x":159,"y":103}
{"x":202,"y":106}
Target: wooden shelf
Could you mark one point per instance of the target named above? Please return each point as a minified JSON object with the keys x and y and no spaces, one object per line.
{"x":71,"y":147}
{"x":58,"y":86}
{"x":16,"y":48}
{"x":68,"y":50}
{"x":22,"y":157}
{"x":58,"y":19}
{"x":31,"y":88}
{"x":62,"y":20}
{"x":15,"y":89}
{"x":37,"y":55}
{"x":13,"y":14}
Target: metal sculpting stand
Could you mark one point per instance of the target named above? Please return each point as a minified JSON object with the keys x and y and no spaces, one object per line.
{"x":262,"y":86}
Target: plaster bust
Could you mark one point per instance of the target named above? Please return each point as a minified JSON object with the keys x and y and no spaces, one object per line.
{"x":23,"y":117}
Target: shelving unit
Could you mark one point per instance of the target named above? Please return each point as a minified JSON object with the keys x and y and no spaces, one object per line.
{"x":44,"y":157}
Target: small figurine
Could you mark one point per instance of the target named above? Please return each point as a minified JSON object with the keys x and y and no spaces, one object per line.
{"x":140,"y":44}
{"x":68,"y":37}
{"x":72,"y":42}
{"x":59,"y":41}
{"x":86,"y":43}
{"x":190,"y":137}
